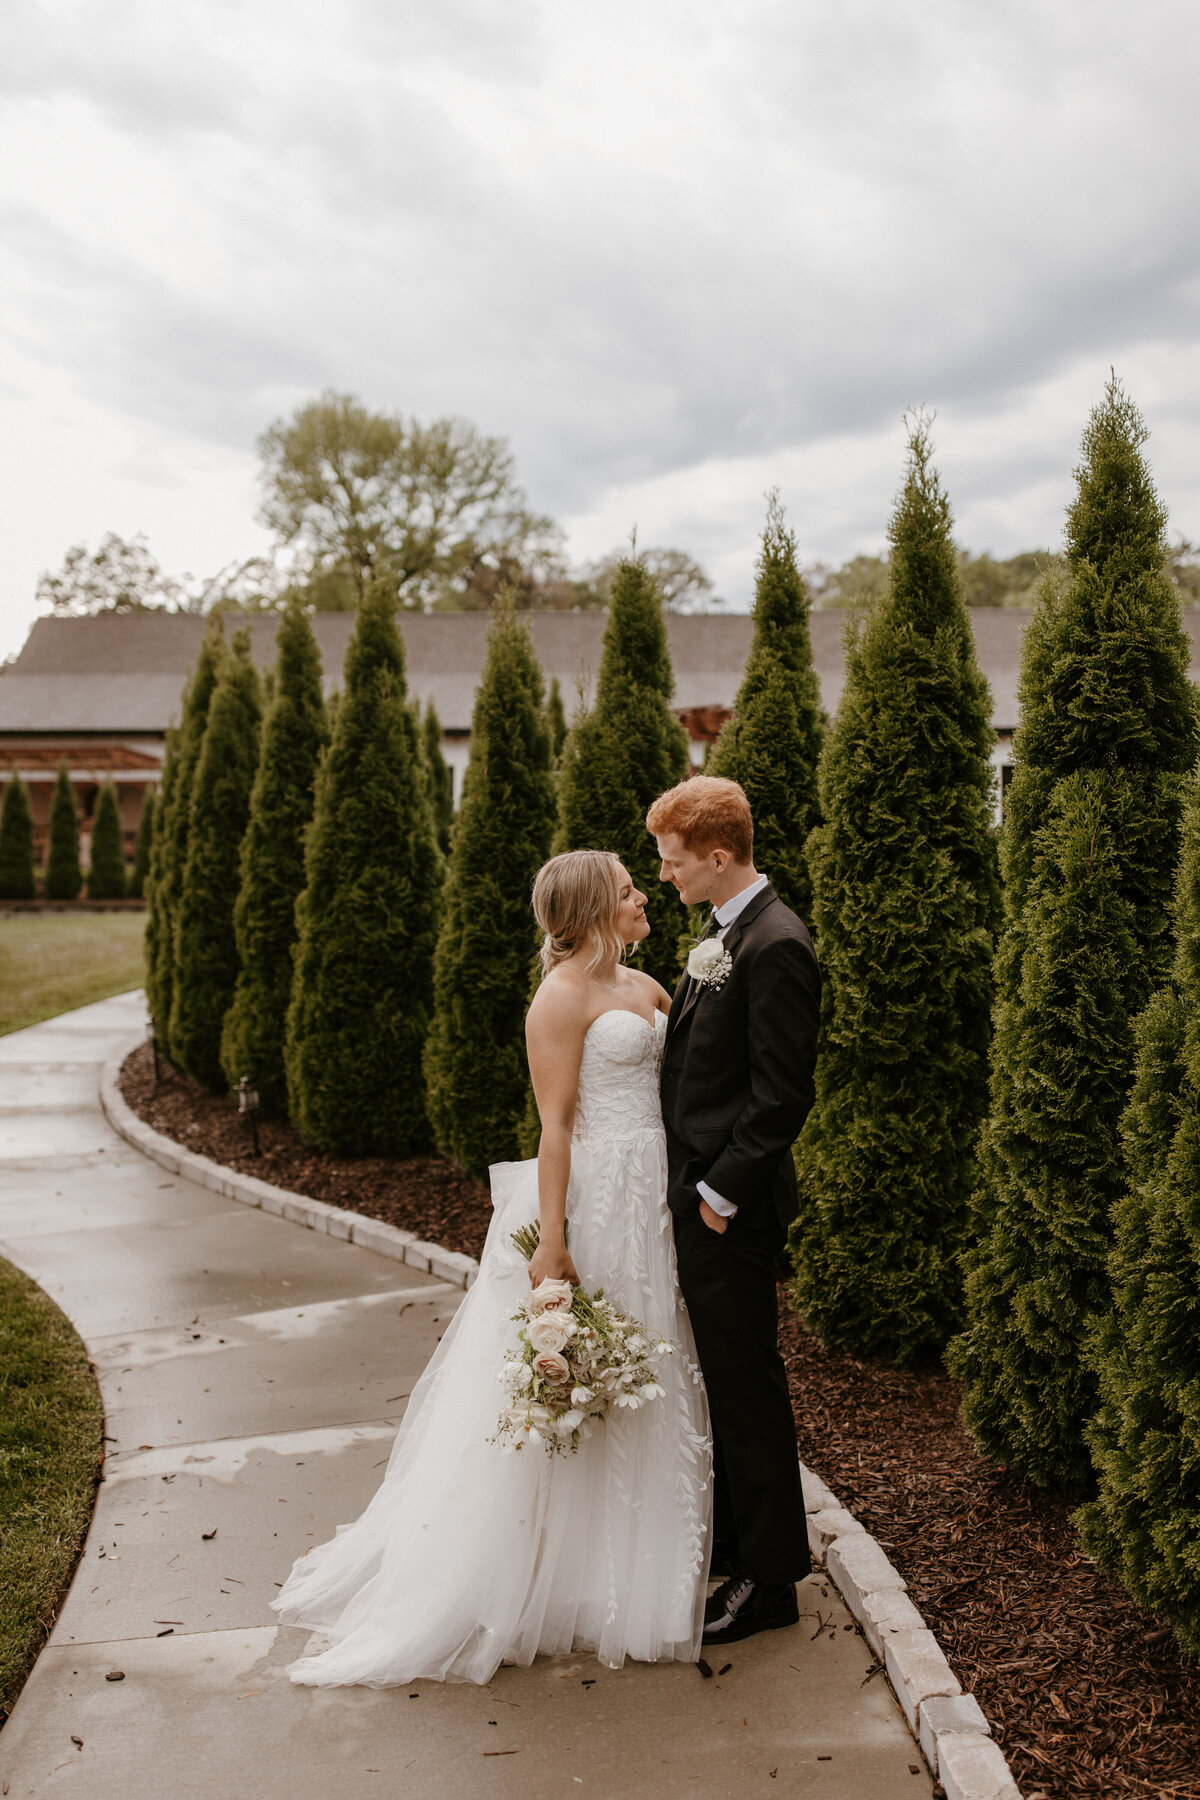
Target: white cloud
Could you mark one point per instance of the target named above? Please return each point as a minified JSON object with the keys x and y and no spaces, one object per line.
{"x":677,"y":254}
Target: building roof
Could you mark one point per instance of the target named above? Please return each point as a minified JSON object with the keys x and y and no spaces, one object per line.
{"x":124,"y":673}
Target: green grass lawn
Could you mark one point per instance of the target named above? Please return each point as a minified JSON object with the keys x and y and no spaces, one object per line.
{"x":51,"y":1419}
{"x":53,"y":962}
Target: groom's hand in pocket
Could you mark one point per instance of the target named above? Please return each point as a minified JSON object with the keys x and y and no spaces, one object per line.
{"x":713,"y":1220}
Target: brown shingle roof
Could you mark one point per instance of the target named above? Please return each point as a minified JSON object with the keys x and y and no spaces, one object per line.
{"x":124,"y":673}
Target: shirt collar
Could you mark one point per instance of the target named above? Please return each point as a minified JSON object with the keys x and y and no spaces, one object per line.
{"x":728,"y":912}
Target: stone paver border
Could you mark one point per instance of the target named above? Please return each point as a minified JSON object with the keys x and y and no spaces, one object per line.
{"x":950,"y":1727}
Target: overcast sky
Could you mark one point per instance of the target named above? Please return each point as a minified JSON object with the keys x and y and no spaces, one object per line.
{"x":675,"y":251}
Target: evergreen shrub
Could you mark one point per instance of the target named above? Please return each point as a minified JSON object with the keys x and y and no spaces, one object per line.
{"x":64,"y":876}
{"x":271,"y":866}
{"x":206,"y":961}
{"x":905,"y":903}
{"x":1108,"y":736}
{"x":16,"y":843}
{"x":556,"y":718}
{"x":441,"y":780}
{"x":1145,"y":1438}
{"x":140,"y":872}
{"x":363,"y":983}
{"x":475,"y":1067}
{"x":168,"y":855}
{"x":625,"y":751}
{"x":106,"y":875}
{"x":772,"y":743}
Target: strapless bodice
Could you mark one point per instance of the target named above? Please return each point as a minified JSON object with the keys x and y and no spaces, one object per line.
{"x":618,"y":1077}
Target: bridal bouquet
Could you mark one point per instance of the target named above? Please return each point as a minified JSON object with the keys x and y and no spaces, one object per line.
{"x":576,"y":1359}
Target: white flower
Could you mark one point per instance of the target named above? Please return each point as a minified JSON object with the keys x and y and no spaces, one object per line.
{"x":549,"y":1296}
{"x":549,"y":1331}
{"x":709,"y":963}
{"x":580,"y":1396}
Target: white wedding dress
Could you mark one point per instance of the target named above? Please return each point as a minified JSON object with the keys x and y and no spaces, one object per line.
{"x":470,"y":1555}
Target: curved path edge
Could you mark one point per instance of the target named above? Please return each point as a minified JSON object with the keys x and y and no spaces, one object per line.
{"x":317,"y":1215}
{"x":950,"y":1726}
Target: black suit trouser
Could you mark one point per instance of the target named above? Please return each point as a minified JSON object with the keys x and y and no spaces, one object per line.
{"x":728,"y":1281}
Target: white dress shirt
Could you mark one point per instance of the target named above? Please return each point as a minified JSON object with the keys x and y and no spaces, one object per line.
{"x":725,"y":915}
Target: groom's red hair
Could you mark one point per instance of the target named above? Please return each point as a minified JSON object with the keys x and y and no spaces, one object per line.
{"x":707,"y":813}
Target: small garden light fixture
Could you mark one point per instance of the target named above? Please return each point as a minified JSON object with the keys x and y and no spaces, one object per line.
{"x":248,"y":1104}
{"x":152,"y":1040}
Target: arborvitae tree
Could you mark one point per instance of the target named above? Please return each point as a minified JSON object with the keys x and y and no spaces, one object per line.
{"x":772,"y":743}
{"x":905,"y":902}
{"x":441,"y":779}
{"x":271,"y":865}
{"x":1105,"y":696}
{"x":140,"y":871}
{"x":206,"y":962}
{"x":475,"y":1069}
{"x":363,"y":984}
{"x":106,"y":876}
{"x":556,"y":718}
{"x":16,"y":843}
{"x":64,"y":877}
{"x":157,"y":939}
{"x":168,"y":855}
{"x":1145,"y":1438}
{"x":623,"y":753}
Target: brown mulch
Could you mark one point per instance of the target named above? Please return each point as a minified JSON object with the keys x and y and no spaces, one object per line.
{"x":426,"y":1194}
{"x":1087,"y":1695}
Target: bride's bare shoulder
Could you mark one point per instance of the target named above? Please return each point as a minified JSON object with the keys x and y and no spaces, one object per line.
{"x":563,"y":1005}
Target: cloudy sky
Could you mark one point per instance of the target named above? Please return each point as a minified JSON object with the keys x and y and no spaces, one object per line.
{"x":675,"y":251}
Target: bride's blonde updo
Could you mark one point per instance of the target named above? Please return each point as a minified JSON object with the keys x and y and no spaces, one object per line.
{"x":575,"y":901}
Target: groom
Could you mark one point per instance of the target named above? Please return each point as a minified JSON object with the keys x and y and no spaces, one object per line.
{"x":737,"y":1085}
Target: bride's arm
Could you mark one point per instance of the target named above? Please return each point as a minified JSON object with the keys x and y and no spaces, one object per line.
{"x":554,"y":1033}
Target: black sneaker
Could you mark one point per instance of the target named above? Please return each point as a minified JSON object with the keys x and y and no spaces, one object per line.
{"x":741,"y":1607}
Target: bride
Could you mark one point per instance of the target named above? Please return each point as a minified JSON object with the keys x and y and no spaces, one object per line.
{"x":470,"y":1555}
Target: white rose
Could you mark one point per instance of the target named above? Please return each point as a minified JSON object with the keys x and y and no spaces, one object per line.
{"x":549,"y":1296}
{"x":705,"y":957}
{"x":552,"y":1367}
{"x":549,"y":1331}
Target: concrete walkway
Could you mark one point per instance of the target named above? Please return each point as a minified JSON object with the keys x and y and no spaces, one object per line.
{"x":253,"y":1375}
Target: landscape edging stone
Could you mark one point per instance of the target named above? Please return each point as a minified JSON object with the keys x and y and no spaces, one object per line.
{"x":250,"y":1190}
{"x":949,"y":1725}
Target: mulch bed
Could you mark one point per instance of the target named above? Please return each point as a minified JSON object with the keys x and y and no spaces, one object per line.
{"x":1087,"y":1695}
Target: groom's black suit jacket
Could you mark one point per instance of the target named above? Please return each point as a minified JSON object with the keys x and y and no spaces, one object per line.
{"x":737,"y":1073}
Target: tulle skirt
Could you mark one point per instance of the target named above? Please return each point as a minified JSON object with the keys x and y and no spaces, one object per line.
{"x":471,"y":1555}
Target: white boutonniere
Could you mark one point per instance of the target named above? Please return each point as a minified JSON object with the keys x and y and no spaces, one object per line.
{"x":709,"y":963}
